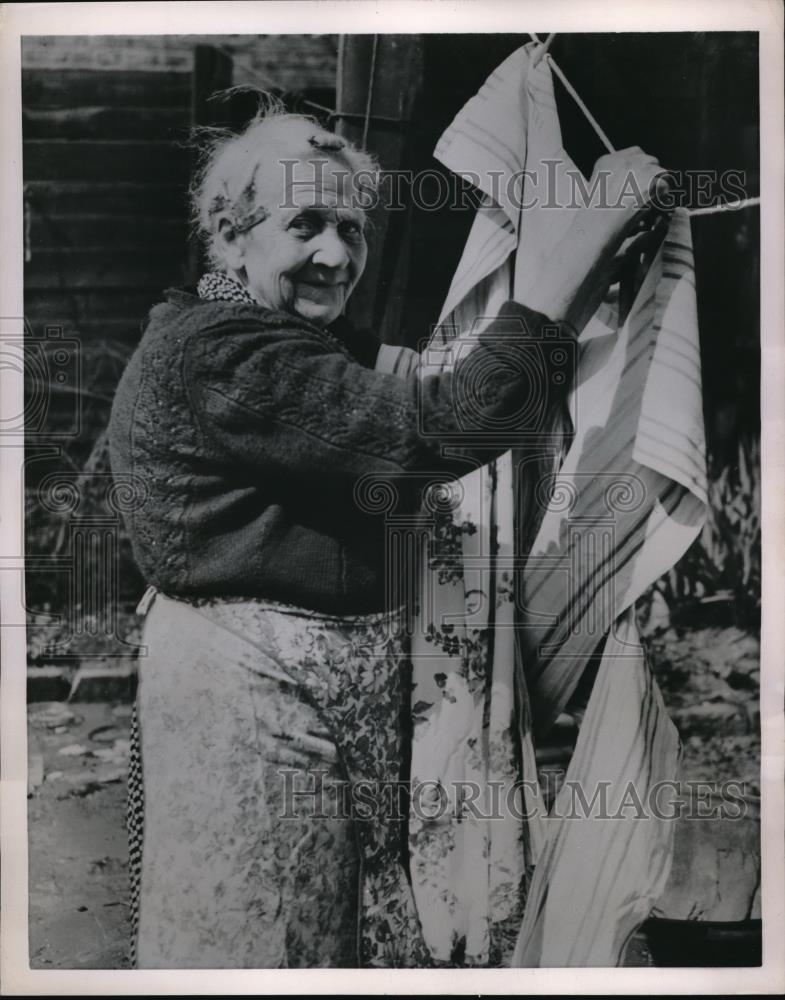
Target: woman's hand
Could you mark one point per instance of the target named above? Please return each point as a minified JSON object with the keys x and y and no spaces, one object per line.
{"x":571,"y":278}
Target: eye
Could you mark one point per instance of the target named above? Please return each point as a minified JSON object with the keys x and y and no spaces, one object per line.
{"x":304,"y":225}
{"x":350,"y":230}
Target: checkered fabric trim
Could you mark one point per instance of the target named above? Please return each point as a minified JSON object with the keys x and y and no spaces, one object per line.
{"x":221,"y":288}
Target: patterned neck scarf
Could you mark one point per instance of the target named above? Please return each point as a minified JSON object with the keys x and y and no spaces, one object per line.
{"x":219,"y":287}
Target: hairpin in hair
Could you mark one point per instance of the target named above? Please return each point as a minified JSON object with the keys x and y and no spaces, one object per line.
{"x":251,"y":219}
{"x":329,"y":143}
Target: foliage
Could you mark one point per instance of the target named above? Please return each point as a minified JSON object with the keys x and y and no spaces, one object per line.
{"x":719,"y":576}
{"x":68,"y":487}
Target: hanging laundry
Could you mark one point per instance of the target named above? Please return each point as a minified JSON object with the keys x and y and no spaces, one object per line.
{"x":498,"y":647}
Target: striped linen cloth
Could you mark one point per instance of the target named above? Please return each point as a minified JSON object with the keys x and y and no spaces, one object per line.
{"x":625,"y":503}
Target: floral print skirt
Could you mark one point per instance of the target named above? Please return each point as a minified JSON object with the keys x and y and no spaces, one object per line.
{"x":265,"y":790}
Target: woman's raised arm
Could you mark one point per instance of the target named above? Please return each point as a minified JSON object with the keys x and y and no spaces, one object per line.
{"x":277,"y":396}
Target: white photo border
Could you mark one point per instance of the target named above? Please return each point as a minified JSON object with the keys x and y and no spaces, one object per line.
{"x":399,"y":16}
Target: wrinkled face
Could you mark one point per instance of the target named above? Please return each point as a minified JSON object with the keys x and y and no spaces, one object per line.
{"x":309,"y":253}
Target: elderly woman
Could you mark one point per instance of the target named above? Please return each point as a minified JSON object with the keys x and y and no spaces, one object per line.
{"x":271,"y":681}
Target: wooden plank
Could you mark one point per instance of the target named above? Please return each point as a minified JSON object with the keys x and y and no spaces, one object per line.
{"x":66,"y":269}
{"x":123,"y":333}
{"x":106,"y":197}
{"x":112,"y":160}
{"x":288,"y":61}
{"x":291,"y":62}
{"x":212,"y":72}
{"x":390,"y":68}
{"x":61,"y":306}
{"x":151,"y":53}
{"x":68,"y":88}
{"x":102,"y":122}
{"x":109,"y":231}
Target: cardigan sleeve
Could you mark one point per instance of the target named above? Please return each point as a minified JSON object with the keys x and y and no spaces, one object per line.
{"x":278,"y":399}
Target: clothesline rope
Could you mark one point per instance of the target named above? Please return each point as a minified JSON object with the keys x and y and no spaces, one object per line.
{"x":574,"y":93}
{"x":709,"y":210}
{"x":734,"y":206}
{"x":371,"y":83}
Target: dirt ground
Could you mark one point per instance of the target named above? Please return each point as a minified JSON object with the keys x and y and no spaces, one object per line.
{"x":78,"y":847}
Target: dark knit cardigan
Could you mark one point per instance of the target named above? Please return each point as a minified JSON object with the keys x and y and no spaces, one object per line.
{"x":250,"y":432}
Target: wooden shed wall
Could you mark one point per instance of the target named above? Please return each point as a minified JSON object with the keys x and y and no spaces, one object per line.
{"x":106,"y":172}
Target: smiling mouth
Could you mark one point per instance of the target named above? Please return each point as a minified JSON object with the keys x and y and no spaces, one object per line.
{"x":322,"y":289}
{"x":321,"y":284}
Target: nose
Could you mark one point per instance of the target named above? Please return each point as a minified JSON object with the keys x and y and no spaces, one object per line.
{"x":330,"y":250}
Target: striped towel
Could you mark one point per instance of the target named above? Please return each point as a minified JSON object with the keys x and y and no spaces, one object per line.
{"x":625,"y":503}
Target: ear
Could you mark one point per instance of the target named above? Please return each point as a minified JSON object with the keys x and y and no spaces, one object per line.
{"x":230,"y":243}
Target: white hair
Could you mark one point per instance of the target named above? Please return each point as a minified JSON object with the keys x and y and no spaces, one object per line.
{"x":225,"y":180}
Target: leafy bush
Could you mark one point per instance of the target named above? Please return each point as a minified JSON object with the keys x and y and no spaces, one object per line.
{"x":720,"y":574}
